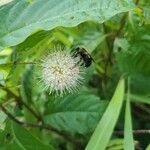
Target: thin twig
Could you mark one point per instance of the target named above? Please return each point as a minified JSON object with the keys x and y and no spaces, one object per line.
{"x":140,"y":131}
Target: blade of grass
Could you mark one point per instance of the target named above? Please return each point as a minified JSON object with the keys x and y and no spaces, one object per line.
{"x":105,"y":127}
{"x":128,"y":135}
{"x":148,"y":147}
{"x":140,"y":98}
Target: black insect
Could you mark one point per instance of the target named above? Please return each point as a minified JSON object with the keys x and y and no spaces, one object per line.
{"x":85,"y":58}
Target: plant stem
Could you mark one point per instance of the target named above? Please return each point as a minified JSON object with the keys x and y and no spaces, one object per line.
{"x":140,"y":131}
{"x":136,"y":2}
{"x":19,"y":63}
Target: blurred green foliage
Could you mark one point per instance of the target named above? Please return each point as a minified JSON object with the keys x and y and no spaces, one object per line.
{"x":116,"y":33}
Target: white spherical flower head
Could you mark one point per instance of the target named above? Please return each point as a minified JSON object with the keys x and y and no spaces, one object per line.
{"x":2,"y":2}
{"x":60,"y":72}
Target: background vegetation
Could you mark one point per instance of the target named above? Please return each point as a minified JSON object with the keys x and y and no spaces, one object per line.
{"x":111,"y":110}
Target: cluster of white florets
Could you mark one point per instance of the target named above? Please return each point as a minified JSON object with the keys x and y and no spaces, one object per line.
{"x":60,"y":72}
{"x":2,"y":2}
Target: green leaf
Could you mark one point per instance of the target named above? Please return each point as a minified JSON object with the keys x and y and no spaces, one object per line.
{"x":21,"y":18}
{"x":128,"y":136}
{"x":142,"y":86}
{"x":90,"y":36}
{"x":135,"y":63}
{"x":27,"y":93}
{"x":23,"y":140}
{"x":128,"y":139}
{"x":78,"y":113}
{"x":105,"y":127}
{"x":26,"y":88}
{"x":140,"y":98}
{"x":2,"y":140}
{"x":146,"y":14}
{"x":2,"y":119}
{"x":121,"y":43}
{"x":148,"y":147}
{"x":115,"y":144}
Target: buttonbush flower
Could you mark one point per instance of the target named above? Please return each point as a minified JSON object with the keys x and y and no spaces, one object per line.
{"x":60,"y":72}
{"x":2,"y":2}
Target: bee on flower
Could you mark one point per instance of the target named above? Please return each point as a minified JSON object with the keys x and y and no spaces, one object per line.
{"x":60,"y":72}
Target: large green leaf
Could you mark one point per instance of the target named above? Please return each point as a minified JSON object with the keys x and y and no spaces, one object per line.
{"x":104,"y":129}
{"x":21,"y":18}
{"x":77,"y":113}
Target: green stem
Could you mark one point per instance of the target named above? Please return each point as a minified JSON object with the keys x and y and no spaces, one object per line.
{"x":18,"y":63}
